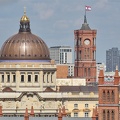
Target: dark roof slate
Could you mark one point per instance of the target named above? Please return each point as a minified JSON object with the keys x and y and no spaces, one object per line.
{"x":85,"y":26}
{"x":78,"y":88}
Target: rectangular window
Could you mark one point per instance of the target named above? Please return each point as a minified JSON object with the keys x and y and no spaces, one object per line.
{"x":86,"y":105}
{"x":47,"y":79}
{"x":75,"y":114}
{"x":29,"y":78}
{"x":22,"y":78}
{"x":51,"y":78}
{"x":86,"y":114}
{"x":43,"y":78}
{"x":75,"y":106}
{"x":2,"y":78}
{"x":14,"y":78}
{"x":36,"y":78}
{"x":8,"y":78}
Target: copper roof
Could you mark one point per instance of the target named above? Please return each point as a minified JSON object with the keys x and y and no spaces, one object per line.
{"x":24,"y":45}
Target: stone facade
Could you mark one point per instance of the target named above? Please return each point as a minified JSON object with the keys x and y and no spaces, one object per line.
{"x":25,"y":76}
{"x":48,"y":103}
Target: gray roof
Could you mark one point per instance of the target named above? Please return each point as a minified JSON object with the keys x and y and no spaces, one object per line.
{"x":85,"y":26}
{"x":77,"y":118}
{"x":44,"y":118}
{"x":11,"y":118}
{"x":84,"y":89}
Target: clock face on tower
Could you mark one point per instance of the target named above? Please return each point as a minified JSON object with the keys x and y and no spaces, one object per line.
{"x":87,"y":41}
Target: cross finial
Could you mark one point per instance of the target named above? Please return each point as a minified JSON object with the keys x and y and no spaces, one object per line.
{"x":24,"y":10}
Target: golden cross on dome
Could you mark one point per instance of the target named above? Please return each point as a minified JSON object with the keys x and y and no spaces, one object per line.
{"x":24,"y":10}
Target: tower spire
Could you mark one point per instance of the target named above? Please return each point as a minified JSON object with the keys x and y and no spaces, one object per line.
{"x":85,"y":19}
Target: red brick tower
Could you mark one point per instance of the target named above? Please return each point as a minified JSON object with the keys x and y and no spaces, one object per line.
{"x":85,"y":52}
{"x":108,"y":108}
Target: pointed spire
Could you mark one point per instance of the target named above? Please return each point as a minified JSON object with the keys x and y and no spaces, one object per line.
{"x":116,"y":76}
{"x":101,"y":76}
{"x":85,"y":26}
{"x":63,"y":111}
{"x":26,"y":116}
{"x":32,"y":112}
{"x":85,"y":19}
{"x":59,"y":114}
{"x":1,"y":114}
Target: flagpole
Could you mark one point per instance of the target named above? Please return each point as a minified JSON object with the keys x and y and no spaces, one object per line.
{"x":85,"y":15}
{"x":85,"y":10}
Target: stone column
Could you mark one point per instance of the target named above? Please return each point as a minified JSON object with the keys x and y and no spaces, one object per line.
{"x":0,"y":78}
{"x":26,"y":78}
{"x":11,"y":78}
{"x":17,"y":80}
{"x":33,"y":78}
{"x":54,"y":79}
{"x":5,"y":78}
{"x":40,"y":79}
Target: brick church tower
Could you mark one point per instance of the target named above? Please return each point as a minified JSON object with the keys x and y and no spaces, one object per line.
{"x":85,"y":52}
{"x":108,"y":108}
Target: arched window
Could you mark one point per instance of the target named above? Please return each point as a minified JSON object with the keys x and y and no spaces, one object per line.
{"x":108,"y":115}
{"x":104,"y":96}
{"x":80,"y":55}
{"x":112,"y":115}
{"x":104,"y":115}
{"x":88,"y":71}
{"x":112,"y":96}
{"x":108,"y":96}
{"x":85,"y":72}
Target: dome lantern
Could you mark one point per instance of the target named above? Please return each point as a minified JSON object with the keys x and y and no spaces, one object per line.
{"x":24,"y":23}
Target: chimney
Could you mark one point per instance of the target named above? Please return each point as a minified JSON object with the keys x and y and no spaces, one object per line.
{"x":59,"y":114}
{"x":101,"y":77}
{"x":26,"y":116}
{"x":116,"y":76}
{"x":32,"y":114}
{"x":63,"y":111}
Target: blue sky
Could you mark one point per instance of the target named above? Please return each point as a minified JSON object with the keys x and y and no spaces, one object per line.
{"x":55,"y":21}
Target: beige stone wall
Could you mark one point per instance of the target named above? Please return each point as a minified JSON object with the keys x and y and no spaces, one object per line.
{"x":50,"y":105}
{"x":34,"y":76}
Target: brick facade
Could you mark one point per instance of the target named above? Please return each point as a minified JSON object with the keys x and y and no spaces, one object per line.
{"x":108,"y":98}
{"x":85,"y":54}
{"x":62,"y":71}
